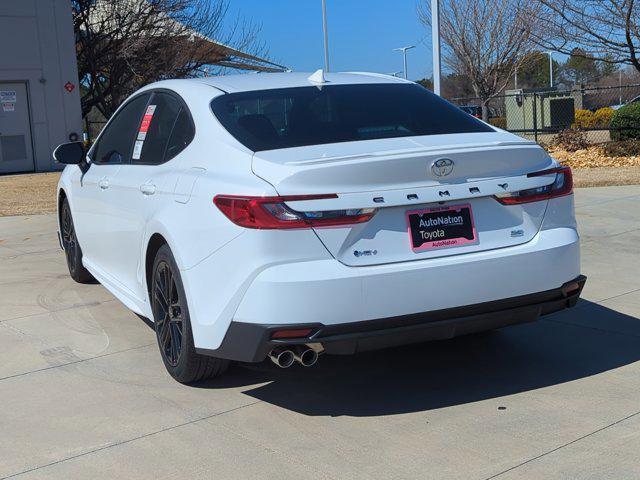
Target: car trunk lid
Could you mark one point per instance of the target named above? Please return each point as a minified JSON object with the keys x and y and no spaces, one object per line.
{"x":397,"y":176}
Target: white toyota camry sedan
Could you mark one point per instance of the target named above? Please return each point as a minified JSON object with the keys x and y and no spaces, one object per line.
{"x":287,"y":215}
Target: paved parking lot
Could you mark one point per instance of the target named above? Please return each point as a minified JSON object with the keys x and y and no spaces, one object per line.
{"x":83,"y":393}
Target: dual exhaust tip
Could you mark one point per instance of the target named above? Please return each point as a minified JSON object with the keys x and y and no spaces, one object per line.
{"x":284,"y":357}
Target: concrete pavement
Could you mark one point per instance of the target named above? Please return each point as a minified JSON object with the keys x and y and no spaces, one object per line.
{"x":83,"y":393}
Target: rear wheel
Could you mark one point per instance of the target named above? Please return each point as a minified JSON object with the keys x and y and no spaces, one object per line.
{"x":173,"y":325}
{"x":72,"y":249}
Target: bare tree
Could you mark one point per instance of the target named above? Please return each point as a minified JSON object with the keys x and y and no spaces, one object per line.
{"x":484,"y":40}
{"x":124,"y":44}
{"x":605,"y":30}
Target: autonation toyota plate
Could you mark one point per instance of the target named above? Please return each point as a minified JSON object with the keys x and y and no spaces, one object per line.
{"x":441,"y":227}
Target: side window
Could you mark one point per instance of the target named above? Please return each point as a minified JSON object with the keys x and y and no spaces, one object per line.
{"x":164,"y":131}
{"x":181,"y":135}
{"x":115,"y":143}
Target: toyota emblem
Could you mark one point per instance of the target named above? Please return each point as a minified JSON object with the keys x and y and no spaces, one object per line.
{"x":442,"y":167}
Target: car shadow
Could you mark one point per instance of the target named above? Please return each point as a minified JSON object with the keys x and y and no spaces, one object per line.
{"x":559,"y":348}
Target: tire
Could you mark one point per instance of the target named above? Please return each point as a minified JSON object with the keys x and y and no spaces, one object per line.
{"x":71,"y":247}
{"x":173,"y":324}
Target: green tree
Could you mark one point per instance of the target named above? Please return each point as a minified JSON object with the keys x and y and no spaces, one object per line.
{"x":534,"y":70}
{"x":608,"y":67}
{"x":580,"y":70}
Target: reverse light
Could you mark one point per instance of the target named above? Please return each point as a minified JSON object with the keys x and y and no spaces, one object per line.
{"x":563,"y":185}
{"x":272,"y":213}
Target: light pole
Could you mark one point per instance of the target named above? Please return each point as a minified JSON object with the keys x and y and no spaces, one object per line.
{"x":550,"y":68}
{"x":435,"y":42}
{"x":326,"y":36}
{"x":404,"y":54}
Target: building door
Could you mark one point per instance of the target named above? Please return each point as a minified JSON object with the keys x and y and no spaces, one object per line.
{"x":16,"y":152}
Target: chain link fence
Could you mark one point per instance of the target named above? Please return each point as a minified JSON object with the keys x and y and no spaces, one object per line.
{"x":542,"y":114}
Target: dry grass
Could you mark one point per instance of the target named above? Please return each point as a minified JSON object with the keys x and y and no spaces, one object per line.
{"x":592,"y":157}
{"x":28,"y":194}
{"x":36,"y":193}
{"x":593,"y":168}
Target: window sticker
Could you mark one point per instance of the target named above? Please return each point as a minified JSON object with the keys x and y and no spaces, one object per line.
{"x":142,"y":131}
{"x":137,"y":150}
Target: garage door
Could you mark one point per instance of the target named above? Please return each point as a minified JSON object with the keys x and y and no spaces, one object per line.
{"x":16,"y":153}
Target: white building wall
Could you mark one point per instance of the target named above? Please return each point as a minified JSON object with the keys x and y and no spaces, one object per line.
{"x":37,"y":46}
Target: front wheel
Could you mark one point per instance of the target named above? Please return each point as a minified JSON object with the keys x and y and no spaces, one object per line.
{"x":72,"y":249}
{"x":173,"y":325}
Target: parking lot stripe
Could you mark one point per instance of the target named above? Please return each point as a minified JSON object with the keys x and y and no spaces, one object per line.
{"x":130,"y":440}
{"x":76,"y":361}
{"x":617,"y":422}
{"x":94,"y":303}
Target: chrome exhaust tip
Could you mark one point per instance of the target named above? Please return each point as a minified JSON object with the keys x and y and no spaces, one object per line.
{"x":305,"y":356}
{"x":282,"y":358}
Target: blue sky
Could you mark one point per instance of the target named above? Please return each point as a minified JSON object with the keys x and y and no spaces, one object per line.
{"x":362,"y":33}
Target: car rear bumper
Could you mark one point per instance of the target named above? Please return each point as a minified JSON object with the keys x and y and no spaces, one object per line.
{"x":297,"y":287}
{"x":328,"y":292}
{"x":251,"y":342}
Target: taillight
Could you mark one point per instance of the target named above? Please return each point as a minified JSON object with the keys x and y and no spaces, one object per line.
{"x":563,"y":185}
{"x":273,"y":213}
{"x":293,"y":333}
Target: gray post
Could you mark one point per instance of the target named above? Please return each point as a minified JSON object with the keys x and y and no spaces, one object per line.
{"x":326,"y":36}
{"x":535,"y":117}
{"x":404,"y":54}
{"x":620,"y":83}
{"x":435,"y":41}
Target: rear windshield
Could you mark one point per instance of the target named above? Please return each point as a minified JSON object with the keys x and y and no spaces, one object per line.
{"x":294,"y":117}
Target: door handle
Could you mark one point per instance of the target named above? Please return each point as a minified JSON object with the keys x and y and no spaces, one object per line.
{"x":148,"y":188}
{"x":104,"y":183}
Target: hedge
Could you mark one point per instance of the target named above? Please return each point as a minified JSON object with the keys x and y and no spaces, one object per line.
{"x":625,"y":123}
{"x":584,"y":119}
{"x":603,"y":117}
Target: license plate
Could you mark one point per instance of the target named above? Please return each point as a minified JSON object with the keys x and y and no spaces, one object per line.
{"x":441,"y":227}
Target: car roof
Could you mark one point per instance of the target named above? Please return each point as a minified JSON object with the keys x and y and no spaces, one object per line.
{"x":267,"y":81}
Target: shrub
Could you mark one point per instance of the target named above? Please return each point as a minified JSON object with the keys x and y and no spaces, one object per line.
{"x":500,"y":122}
{"x":570,"y":140}
{"x":625,"y":123}
{"x":626,"y":148}
{"x":584,"y":119}
{"x":602,"y":117}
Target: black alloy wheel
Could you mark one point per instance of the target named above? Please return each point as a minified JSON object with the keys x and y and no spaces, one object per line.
{"x":71,"y":247}
{"x":173,"y":324}
{"x":168,"y":312}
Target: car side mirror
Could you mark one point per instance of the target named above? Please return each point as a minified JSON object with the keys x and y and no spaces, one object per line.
{"x":69,"y":153}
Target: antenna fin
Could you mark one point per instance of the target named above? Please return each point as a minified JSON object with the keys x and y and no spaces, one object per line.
{"x":318,"y":77}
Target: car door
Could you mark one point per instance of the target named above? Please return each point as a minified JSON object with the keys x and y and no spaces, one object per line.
{"x":94,"y":205}
{"x":145,"y":184}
